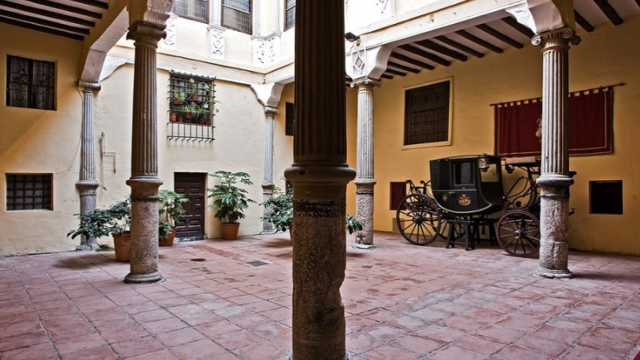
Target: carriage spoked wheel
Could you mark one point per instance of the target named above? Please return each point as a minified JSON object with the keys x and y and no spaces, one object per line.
{"x":519,"y":233}
{"x":418,"y":219}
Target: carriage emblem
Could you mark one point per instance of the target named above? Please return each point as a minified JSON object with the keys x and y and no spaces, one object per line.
{"x":444,"y":198}
{"x":464,"y":200}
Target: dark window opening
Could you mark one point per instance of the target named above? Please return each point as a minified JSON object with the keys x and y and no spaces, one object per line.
{"x":236,"y":15}
{"x":463,"y":173}
{"x":605,"y":197}
{"x":191,"y":103}
{"x":30,"y":83}
{"x":289,"y":14}
{"x":290,"y":119}
{"x":29,"y":192}
{"x":398,"y":192}
{"x":427,"y":114}
{"x":192,"y":9}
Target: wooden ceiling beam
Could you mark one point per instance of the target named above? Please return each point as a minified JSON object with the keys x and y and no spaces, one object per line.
{"x":45,"y":13}
{"x":385,"y":76}
{"x":583,"y":22}
{"x":435,"y":58}
{"x":40,"y":21}
{"x":459,"y":46}
{"x":94,"y":3}
{"x":411,"y":61}
{"x":403,"y":67}
{"x":395,"y":72}
{"x":40,"y":28}
{"x":500,"y":36}
{"x":609,"y":12}
{"x":442,"y":50}
{"x":516,"y":25}
{"x":485,"y":44}
{"x":67,"y":8}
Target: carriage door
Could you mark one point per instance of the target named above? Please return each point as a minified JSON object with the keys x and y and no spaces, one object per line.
{"x":192,"y":186}
{"x":464,"y":194}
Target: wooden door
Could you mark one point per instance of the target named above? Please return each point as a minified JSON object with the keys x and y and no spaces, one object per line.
{"x":192,"y":186}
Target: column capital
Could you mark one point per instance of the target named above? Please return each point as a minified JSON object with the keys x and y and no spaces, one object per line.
{"x":366,"y":83}
{"x":146,"y":32}
{"x":558,"y":38}
{"x":89,"y":86}
{"x":270,"y":110}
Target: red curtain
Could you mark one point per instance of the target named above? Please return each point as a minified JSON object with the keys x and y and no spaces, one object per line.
{"x":517,"y":130}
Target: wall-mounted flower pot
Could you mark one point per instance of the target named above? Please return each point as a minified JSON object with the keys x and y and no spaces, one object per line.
{"x":122,"y":244}
{"x":230,"y":231}
{"x":173,"y":117}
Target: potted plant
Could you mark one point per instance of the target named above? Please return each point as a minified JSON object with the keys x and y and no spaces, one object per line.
{"x":230,"y":201}
{"x":194,"y":89}
{"x":170,"y":211}
{"x":115,"y":220}
{"x":189,"y":110}
{"x":173,"y":117}
{"x":280,"y":211}
{"x":179,"y":97}
{"x":355,"y":225}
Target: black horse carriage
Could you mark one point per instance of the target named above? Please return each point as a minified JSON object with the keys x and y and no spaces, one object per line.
{"x":464,"y":192}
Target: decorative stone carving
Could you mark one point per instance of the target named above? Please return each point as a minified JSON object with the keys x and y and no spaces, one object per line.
{"x":382,"y":5}
{"x":216,"y":41}
{"x":170,"y":40}
{"x":359,"y":62}
{"x":266,"y":51}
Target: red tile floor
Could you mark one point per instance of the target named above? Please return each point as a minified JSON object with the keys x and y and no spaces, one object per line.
{"x":402,"y":302}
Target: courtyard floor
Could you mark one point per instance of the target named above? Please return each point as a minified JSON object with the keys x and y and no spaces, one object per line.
{"x":402,"y":302}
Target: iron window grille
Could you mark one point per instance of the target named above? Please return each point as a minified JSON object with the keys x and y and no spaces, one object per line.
{"x":236,"y":15}
{"x":427,"y":114}
{"x":192,"y":9}
{"x":191,"y":107}
{"x":30,"y":83}
{"x":289,"y":14}
{"x":289,"y":119}
{"x":29,"y":192}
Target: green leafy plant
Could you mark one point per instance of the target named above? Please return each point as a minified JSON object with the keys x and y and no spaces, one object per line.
{"x":171,"y":209}
{"x":102,"y":222}
{"x":164,"y":228}
{"x":230,"y":200}
{"x":353,"y":224}
{"x":279,"y":210}
{"x":179,"y":96}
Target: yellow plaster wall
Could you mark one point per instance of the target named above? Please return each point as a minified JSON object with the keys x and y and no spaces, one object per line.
{"x":608,"y":56}
{"x":282,"y":144}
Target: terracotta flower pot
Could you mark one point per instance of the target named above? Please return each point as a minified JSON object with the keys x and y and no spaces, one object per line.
{"x":168,"y":239}
{"x":176,"y":101}
{"x":173,"y":117}
{"x":230,"y":231}
{"x":180,"y":119}
{"x":122,"y":244}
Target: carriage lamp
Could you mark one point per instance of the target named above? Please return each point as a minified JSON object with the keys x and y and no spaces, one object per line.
{"x":483,"y":162}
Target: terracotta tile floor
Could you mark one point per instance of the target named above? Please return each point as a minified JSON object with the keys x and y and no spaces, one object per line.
{"x":402,"y":302}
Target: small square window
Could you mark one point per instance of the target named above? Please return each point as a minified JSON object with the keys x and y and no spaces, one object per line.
{"x":426,"y":118}
{"x":192,"y":9}
{"x":605,"y":197}
{"x":398,"y":192}
{"x":29,"y":192}
{"x":30,"y":83}
{"x":290,"y":119}
{"x":289,"y":14}
{"x":236,"y":15}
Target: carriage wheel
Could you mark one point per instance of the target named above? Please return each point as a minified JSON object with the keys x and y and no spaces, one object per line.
{"x":519,"y":233}
{"x":418,"y":219}
{"x":458,"y":229}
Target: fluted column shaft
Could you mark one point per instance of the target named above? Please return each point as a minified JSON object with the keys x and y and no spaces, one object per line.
{"x":319,"y":176}
{"x":87,"y":183}
{"x":554,"y":180}
{"x":144,"y":181}
{"x":267,"y":182}
{"x":364,"y":180}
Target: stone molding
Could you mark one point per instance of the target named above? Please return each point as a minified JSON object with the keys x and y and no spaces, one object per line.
{"x":169,"y":41}
{"x":146,"y":33}
{"x":266,"y":50}
{"x":217,"y":41}
{"x":555,"y":39}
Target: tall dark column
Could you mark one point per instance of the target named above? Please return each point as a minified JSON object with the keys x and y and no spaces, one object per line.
{"x":319,"y":176}
{"x":554,"y":180}
{"x":144,"y":181}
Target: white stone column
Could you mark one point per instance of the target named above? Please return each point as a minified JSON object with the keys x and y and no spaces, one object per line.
{"x":364,"y":180}
{"x":267,"y":182}
{"x":554,"y":180}
{"x":144,"y":181}
{"x":87,"y":183}
{"x":319,"y":176}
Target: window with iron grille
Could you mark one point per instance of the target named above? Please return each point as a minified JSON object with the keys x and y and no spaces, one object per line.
{"x":192,"y":9}
{"x":29,"y":192}
{"x":427,"y":114}
{"x":191,"y":107}
{"x":31,"y":83}
{"x":289,"y":14}
{"x":289,"y":119}
{"x":605,"y":197}
{"x":236,"y":15}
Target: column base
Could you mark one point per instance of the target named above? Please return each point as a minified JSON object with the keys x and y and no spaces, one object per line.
{"x":346,"y":356}
{"x":368,"y":247}
{"x":143,"y":278}
{"x":552,"y":274}
{"x":88,"y":247}
{"x":268,"y":232}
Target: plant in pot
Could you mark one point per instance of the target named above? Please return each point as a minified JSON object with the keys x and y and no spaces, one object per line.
{"x":170,"y":211}
{"x":115,"y":220}
{"x":179,"y":97}
{"x":355,"y":225}
{"x":280,"y":211}
{"x":229,"y":200}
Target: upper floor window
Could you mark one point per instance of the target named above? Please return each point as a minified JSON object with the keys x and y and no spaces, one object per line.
{"x":192,"y":99}
{"x":426,"y":114}
{"x":289,"y":119}
{"x":193,"y":9}
{"x":29,"y":192}
{"x":236,"y":15}
{"x":31,"y":83}
{"x":290,"y":14}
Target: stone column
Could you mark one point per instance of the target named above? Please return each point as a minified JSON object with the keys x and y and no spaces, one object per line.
{"x":365,"y":181}
{"x":267,"y":182}
{"x":144,"y":181}
{"x":319,"y":176}
{"x":554,"y":180}
{"x":87,"y":183}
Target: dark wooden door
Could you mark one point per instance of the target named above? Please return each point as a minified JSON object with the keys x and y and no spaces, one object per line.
{"x":191,"y":185}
